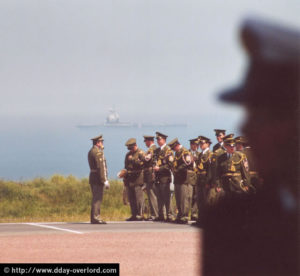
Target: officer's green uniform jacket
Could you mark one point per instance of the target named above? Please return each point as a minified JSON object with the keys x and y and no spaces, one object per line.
{"x":164,"y":159}
{"x":249,"y":154}
{"x":233,"y":172}
{"x":97,"y":163}
{"x":254,"y":177}
{"x":203,"y":168}
{"x":183,"y":167}
{"x":217,"y":146}
{"x":134,"y":167}
{"x":216,"y":153}
{"x":149,"y":162}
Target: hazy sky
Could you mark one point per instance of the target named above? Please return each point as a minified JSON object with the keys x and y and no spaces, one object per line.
{"x":145,"y":57}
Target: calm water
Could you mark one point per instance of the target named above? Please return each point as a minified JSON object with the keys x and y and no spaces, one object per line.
{"x":31,"y":149}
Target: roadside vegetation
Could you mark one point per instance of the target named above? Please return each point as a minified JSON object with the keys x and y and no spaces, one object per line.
{"x":58,"y":198}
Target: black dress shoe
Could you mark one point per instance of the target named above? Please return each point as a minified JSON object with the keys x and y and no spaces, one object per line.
{"x":131,"y":219}
{"x":181,"y":221}
{"x":159,"y":219}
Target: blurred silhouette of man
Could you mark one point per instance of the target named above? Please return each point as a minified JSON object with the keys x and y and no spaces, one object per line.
{"x":258,"y":234}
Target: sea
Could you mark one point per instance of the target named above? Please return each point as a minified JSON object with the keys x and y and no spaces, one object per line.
{"x":32,"y":148}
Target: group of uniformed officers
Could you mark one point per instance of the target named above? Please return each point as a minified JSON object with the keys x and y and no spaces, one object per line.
{"x":200,"y":178}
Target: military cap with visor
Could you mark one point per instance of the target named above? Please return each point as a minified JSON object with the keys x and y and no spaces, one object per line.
{"x":203,"y":139}
{"x":160,"y":135}
{"x":98,"y":138}
{"x":194,"y":141}
{"x":148,"y":138}
{"x":229,"y":142}
{"x":130,"y":142}
{"x":218,"y":131}
{"x":173,"y":143}
{"x":228,"y":136}
{"x":241,"y":140}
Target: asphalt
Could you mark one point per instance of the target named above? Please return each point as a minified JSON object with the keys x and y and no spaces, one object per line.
{"x":141,"y":248}
{"x":10,"y":229}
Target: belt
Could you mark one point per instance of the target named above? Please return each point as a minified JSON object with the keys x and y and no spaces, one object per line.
{"x":94,"y":170}
{"x":135,"y":172}
{"x":231,"y":174}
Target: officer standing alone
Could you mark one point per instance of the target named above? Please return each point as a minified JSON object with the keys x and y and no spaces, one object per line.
{"x":98,"y":177}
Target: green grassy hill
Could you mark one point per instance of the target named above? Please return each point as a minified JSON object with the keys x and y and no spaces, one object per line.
{"x":58,"y":198}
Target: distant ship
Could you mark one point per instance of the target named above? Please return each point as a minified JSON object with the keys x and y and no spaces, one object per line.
{"x":113,"y":120}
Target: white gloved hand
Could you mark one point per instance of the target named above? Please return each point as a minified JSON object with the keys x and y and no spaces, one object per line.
{"x":106,"y":184}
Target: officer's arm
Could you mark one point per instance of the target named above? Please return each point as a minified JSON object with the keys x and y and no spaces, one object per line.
{"x":101,"y":168}
{"x":187,"y":160}
{"x":167,"y":162}
{"x":209,"y":172}
{"x":214,"y":171}
{"x":245,"y":172}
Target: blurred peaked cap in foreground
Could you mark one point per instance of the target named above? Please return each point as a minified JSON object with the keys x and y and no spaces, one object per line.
{"x":130,"y":142}
{"x":173,"y":143}
{"x":98,"y":138}
{"x":160,"y":135}
{"x":273,"y":72}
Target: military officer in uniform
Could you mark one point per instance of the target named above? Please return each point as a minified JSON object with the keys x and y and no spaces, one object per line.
{"x":233,"y":171}
{"x":149,"y":177}
{"x":263,"y":227}
{"x":220,"y":133}
{"x":184,"y":178}
{"x":216,"y":191}
{"x":134,"y":179}
{"x":98,"y":178}
{"x":164,"y":158}
{"x":204,"y":177}
{"x":194,"y":145}
{"x":243,"y":146}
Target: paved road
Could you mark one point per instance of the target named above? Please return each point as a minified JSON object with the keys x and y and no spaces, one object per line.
{"x":8,"y":229}
{"x":141,"y":248}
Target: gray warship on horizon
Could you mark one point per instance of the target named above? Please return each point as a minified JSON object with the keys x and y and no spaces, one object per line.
{"x":113,"y":120}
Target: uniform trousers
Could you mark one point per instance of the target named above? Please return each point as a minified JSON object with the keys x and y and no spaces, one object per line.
{"x":97,"y":195}
{"x":136,"y":199}
{"x":183,"y":196}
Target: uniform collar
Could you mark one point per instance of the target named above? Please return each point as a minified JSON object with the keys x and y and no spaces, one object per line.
{"x":162,"y":147}
{"x":207,"y":149}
